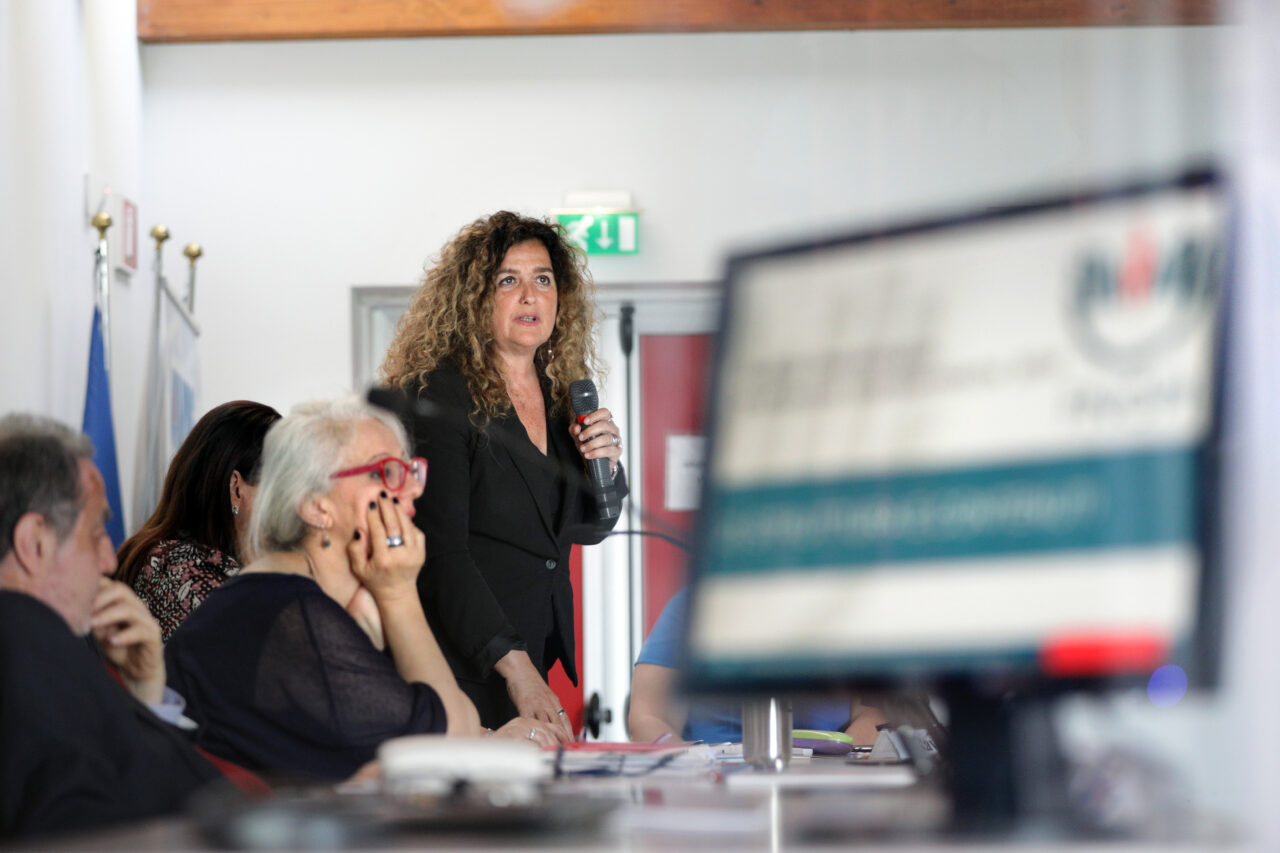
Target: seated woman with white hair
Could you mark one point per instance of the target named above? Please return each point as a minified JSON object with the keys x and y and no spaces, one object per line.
{"x":282,"y":666}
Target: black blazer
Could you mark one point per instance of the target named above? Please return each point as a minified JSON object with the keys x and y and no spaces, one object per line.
{"x":497,"y":571}
{"x":77,"y":751}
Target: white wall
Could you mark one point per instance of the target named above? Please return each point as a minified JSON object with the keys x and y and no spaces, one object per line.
{"x":47,"y":245}
{"x":70,"y":104}
{"x":305,"y":168}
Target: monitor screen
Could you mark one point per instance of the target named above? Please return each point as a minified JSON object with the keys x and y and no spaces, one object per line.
{"x":967,"y":446}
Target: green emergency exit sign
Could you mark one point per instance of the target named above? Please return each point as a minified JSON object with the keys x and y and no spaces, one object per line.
{"x":600,"y":233}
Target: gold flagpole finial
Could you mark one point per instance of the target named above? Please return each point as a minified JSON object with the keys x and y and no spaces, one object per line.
{"x":193,"y":251}
{"x":159,"y":234}
{"x":102,"y":221}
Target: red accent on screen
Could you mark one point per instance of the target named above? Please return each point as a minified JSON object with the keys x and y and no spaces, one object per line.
{"x":1139,"y":272}
{"x":1085,"y":654}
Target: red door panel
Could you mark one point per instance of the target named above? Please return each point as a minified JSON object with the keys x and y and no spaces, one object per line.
{"x":674,"y":371}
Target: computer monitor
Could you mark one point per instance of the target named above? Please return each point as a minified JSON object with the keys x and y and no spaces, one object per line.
{"x":968,"y":451}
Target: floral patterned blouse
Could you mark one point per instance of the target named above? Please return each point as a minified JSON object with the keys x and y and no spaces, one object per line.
{"x":179,"y":574}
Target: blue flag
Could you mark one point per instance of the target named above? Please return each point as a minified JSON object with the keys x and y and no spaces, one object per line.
{"x":99,"y":427}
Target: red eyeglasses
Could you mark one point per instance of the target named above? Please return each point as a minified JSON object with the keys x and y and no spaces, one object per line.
{"x":394,"y":472}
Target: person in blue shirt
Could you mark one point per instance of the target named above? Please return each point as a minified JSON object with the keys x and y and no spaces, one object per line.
{"x":657,"y":712}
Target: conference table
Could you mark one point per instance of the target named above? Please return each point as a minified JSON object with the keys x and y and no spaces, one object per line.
{"x":818,"y":803}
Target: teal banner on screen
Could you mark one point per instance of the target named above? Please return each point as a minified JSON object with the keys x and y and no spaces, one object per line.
{"x":1134,"y":499}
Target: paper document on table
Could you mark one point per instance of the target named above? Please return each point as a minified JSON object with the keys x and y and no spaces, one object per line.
{"x":733,"y":752}
{"x":627,"y":759}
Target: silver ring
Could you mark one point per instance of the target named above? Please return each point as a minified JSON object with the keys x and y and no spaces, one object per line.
{"x":531,"y":734}
{"x":617,"y":440}
{"x":561,"y":712}
{"x":394,"y":541}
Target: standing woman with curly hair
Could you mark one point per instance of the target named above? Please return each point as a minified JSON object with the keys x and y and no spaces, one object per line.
{"x":499,"y":329}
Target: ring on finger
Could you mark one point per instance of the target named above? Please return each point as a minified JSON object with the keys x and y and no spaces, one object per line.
{"x":532,"y":733}
{"x":617,"y":440}
{"x":395,"y":541}
{"x":561,"y":712}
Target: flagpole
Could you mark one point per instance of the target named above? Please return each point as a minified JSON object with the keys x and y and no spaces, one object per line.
{"x":98,"y":422}
{"x":102,"y":272}
{"x":192,"y":251}
{"x":152,"y":461}
{"x":159,"y":233}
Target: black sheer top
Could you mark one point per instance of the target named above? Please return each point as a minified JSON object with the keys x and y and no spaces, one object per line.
{"x":282,"y":680}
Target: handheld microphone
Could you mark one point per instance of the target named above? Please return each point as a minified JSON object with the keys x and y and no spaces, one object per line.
{"x":582,"y":394}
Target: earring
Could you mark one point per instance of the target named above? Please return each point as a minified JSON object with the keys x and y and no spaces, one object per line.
{"x":235,"y":509}
{"x":324,"y":543}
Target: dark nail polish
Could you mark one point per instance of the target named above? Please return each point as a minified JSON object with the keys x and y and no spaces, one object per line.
{"x":395,"y":500}
{"x":373,"y":505}
{"x":383,"y":493}
{"x":357,"y":536}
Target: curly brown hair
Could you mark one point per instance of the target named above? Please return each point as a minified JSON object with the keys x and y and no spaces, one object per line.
{"x":451,"y":316}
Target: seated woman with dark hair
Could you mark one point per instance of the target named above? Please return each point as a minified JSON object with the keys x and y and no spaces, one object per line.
{"x":196,"y":537}
{"x":282,"y":665}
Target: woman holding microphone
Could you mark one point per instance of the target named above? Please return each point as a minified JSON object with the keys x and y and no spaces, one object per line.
{"x":499,"y":329}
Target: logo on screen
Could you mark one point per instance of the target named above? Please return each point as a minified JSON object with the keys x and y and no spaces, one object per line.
{"x":1128,"y":308}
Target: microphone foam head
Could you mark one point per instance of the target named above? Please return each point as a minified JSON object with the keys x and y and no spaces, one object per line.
{"x":583,"y":396}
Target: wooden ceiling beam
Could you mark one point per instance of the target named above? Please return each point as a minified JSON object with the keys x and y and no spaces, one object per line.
{"x":257,"y":20}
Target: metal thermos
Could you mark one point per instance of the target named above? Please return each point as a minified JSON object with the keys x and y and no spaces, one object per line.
{"x":766,"y":733}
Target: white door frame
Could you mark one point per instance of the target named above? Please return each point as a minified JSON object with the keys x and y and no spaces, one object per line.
{"x":612,"y":572}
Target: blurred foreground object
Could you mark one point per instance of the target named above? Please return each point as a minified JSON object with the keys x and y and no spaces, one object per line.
{"x":975,"y":453}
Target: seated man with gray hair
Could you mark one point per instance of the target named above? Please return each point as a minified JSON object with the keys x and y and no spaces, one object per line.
{"x":77,"y":750}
